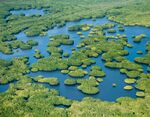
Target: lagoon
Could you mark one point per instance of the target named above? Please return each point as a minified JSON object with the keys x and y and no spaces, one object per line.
{"x":107,"y":91}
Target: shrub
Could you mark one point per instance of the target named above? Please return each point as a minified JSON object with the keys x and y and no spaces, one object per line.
{"x":88,"y":86}
{"x":138,"y":38}
{"x":70,"y":81}
{"x":32,"y":42}
{"x":128,"y":87}
{"x":139,"y":52}
{"x":140,"y":94}
{"x":65,"y":71}
{"x":38,"y":54}
{"x":111,"y":31}
{"x":77,"y":73}
{"x":129,"y":81}
{"x":51,"y":81}
{"x":121,"y":28}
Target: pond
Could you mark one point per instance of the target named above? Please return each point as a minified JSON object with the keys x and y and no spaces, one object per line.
{"x":107,"y":91}
{"x":28,"y":12}
{"x":4,"y":87}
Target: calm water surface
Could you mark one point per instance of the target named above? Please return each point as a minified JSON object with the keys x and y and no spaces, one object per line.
{"x":28,"y":12}
{"x":107,"y":92}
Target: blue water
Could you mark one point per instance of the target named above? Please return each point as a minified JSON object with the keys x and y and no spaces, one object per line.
{"x":28,"y":12}
{"x":107,"y":92}
{"x":4,"y":87}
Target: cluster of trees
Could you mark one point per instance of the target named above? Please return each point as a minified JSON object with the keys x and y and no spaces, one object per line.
{"x":121,"y":28}
{"x":111,"y":31}
{"x":146,"y":58}
{"x":88,"y":86}
{"x":26,"y":98}
{"x":9,"y":69}
{"x":7,"y":48}
{"x":82,"y":27}
{"x":130,"y":14}
{"x":70,"y":81}
{"x":38,"y":54}
{"x":138,"y":38}
{"x":96,"y":71}
{"x":51,"y":81}
{"x":22,"y":45}
{"x":77,"y":73}
{"x":124,"y":64}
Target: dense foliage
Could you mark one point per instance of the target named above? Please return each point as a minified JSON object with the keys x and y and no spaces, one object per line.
{"x":28,"y":97}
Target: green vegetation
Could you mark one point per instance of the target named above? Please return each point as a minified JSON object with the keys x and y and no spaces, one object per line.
{"x":111,"y":31}
{"x":108,"y":26}
{"x":128,"y":87}
{"x":140,"y":94}
{"x":5,"y":63}
{"x":51,"y":81}
{"x":70,"y":81}
{"x":125,"y":64}
{"x":82,"y":36}
{"x":27,"y":98}
{"x":121,"y":28}
{"x":77,"y":73}
{"x":49,"y":64}
{"x":79,"y":33}
{"x":139,"y":38}
{"x":58,"y":40}
{"x":129,"y":45}
{"x":133,"y":74}
{"x":83,"y":27}
{"x":99,"y":80}
{"x":10,"y":72}
{"x":88,"y":86}
{"x":66,"y":54}
{"x":146,"y":58}
{"x":96,"y":71}
{"x":86,"y":27}
{"x":8,"y":48}
{"x":139,"y":52}
{"x":114,"y":54}
{"x":129,"y":81}
{"x":38,"y":54}
{"x":32,"y":42}
{"x":64,"y":71}
{"x":126,"y":13}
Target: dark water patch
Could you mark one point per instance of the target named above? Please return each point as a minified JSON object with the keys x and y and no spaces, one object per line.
{"x":62,"y":106}
{"x":4,"y":87}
